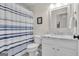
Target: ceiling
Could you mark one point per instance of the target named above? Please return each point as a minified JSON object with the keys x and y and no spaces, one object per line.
{"x":31,"y":5}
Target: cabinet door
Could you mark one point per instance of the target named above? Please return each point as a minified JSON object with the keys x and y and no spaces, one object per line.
{"x":61,"y":51}
{"x":59,"y":47}
{"x":54,"y":50}
{"x":48,"y":50}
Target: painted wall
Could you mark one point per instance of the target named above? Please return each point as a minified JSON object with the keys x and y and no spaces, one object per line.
{"x":40,"y":29}
{"x":39,"y":10}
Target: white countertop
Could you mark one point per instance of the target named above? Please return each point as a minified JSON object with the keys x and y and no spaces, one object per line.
{"x":59,"y":36}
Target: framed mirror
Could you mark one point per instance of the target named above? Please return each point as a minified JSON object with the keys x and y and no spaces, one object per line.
{"x":60,"y":19}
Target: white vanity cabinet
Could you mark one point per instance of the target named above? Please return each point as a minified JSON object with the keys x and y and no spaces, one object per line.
{"x":64,"y":24}
{"x":59,"y":47}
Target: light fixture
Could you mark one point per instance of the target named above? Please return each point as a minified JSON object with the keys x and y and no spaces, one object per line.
{"x":52,"y":6}
{"x":55,"y":5}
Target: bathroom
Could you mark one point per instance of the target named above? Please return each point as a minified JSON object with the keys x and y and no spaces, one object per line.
{"x":55,"y":29}
{"x":39,"y":29}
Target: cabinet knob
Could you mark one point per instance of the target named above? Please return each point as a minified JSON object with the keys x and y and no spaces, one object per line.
{"x":58,"y":49}
{"x":53,"y":48}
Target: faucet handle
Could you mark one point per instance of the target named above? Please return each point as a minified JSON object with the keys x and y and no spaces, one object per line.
{"x":76,"y":36}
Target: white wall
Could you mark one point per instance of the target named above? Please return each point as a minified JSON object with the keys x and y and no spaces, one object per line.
{"x":40,"y":29}
{"x":39,"y":10}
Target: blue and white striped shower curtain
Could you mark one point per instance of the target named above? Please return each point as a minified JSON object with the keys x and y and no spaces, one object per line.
{"x":16,"y":29}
